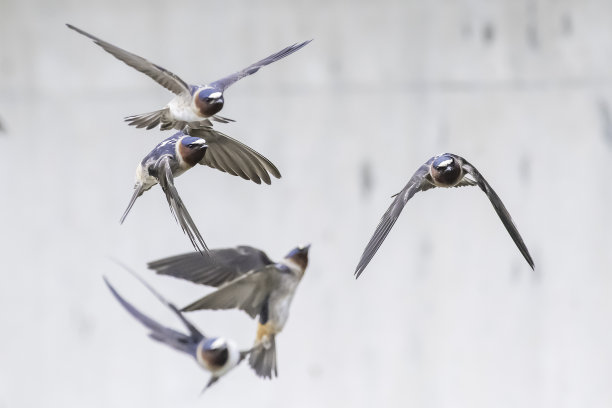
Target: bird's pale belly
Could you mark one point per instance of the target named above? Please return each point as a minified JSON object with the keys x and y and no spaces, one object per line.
{"x":279,"y":312}
{"x":143,"y":177}
{"x":181,"y":109}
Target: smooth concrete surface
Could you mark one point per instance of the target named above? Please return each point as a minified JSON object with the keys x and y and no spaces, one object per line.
{"x":448,"y":314}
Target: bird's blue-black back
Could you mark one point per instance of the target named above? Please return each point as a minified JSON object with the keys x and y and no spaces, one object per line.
{"x":165,"y":147}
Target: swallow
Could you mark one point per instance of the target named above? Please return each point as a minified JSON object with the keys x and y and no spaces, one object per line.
{"x":192,"y":103}
{"x":215,"y":354}
{"x":445,"y":170}
{"x":180,"y":152}
{"x":247,"y":279}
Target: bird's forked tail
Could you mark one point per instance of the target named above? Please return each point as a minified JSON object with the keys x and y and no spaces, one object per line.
{"x":147,"y":120}
{"x":138,"y":190}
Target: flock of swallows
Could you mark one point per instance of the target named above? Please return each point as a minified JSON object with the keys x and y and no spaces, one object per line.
{"x":246,"y":278}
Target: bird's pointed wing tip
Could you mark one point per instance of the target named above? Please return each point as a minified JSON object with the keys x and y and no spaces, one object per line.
{"x":111,"y":287}
{"x":77,"y":29}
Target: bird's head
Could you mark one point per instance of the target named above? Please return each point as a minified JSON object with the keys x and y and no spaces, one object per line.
{"x":299,"y":256}
{"x":192,"y":149}
{"x":214,"y":354}
{"x":209,"y":101}
{"x":446,"y":170}
{"x":218,"y":355}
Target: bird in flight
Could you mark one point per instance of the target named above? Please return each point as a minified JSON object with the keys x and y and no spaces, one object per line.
{"x":247,"y":279}
{"x":180,"y":152}
{"x":445,"y":170}
{"x":215,"y":354}
{"x":192,"y":103}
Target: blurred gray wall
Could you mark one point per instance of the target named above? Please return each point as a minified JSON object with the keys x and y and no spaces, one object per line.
{"x":448,"y":314}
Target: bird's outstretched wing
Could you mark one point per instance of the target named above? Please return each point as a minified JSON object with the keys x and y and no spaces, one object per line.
{"x":160,"y":75}
{"x":248,"y":293}
{"x":166,"y":335}
{"x":224,"y":265}
{"x":223,"y":83}
{"x":416,"y":183}
{"x":500,"y":209}
{"x":178,"y":209}
{"x":231,"y":156}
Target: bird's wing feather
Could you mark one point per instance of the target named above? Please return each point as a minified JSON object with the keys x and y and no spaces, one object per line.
{"x":465,"y":182}
{"x":160,"y":75}
{"x":178,"y":209}
{"x":159,"y":332}
{"x":231,"y":156}
{"x":222,"y":266}
{"x":500,"y":209}
{"x":195,"y":333}
{"x":416,"y":183}
{"x":225,"y":82}
{"x":248,"y":293}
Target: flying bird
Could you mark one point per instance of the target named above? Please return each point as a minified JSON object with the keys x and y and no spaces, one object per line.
{"x":445,"y":170}
{"x":192,"y":103}
{"x":215,"y":354}
{"x":180,"y":152}
{"x":247,"y":279}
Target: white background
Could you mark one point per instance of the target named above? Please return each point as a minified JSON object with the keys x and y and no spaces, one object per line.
{"x":448,"y":314}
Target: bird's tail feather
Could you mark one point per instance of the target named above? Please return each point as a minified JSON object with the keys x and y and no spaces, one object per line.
{"x":210,"y":382}
{"x":221,"y":119}
{"x":166,"y":335}
{"x":138,"y":190}
{"x":147,"y":120}
{"x":176,"y":340}
{"x":263,"y":359}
